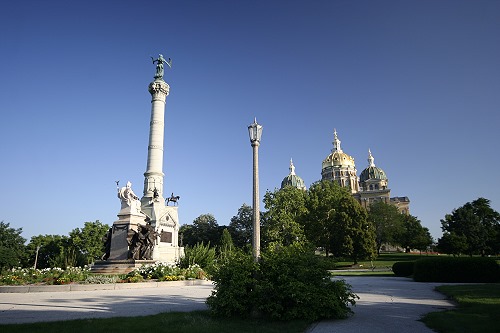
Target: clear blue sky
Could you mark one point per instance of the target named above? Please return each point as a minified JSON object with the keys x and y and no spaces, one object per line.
{"x":417,"y":82}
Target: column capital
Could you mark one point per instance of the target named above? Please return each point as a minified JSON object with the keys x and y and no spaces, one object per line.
{"x":159,"y":89}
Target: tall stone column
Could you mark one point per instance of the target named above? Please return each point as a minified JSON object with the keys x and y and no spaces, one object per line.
{"x":153,"y":177}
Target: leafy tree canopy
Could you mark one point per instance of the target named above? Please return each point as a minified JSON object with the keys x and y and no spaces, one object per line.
{"x":53,"y":251}
{"x":337,"y":222}
{"x":477,"y":222}
{"x":414,"y":235}
{"x":12,"y":249}
{"x":203,"y":230}
{"x":88,"y":241}
{"x":285,"y":209}
{"x":388,"y":223}
{"x":241,"y":227}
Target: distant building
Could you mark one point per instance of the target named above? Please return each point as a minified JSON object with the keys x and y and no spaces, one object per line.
{"x":372,"y":184}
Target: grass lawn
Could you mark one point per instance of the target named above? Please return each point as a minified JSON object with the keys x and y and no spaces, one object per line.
{"x":478,"y":310}
{"x":383,"y":261}
{"x":363,"y":273}
{"x":180,"y":322}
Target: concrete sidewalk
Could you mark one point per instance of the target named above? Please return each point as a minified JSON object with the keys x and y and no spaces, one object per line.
{"x":142,"y":300}
{"x":386,"y":304}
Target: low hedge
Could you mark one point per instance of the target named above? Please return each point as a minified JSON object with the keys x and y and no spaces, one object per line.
{"x":456,"y":269}
{"x":403,"y":268}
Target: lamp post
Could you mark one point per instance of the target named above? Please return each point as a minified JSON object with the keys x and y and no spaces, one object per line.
{"x":36,"y":256}
{"x":255,"y":132}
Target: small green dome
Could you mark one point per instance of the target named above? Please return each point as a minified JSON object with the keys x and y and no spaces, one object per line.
{"x":292,"y":179}
{"x":372,"y":172}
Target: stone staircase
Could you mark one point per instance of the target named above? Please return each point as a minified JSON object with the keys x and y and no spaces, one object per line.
{"x":118,"y":266}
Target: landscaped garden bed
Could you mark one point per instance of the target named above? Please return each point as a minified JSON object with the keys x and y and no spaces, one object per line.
{"x":157,"y":272}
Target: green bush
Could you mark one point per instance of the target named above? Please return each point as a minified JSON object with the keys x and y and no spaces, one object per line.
{"x":288,"y":283}
{"x":102,"y":279}
{"x":403,"y":268}
{"x":134,"y":277}
{"x":234,"y":282}
{"x":199,"y":254}
{"x":159,"y":270}
{"x":456,"y":269}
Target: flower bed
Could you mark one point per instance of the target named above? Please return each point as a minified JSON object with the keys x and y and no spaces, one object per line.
{"x":57,"y":276}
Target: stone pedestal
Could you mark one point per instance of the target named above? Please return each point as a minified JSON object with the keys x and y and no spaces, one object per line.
{"x":127,"y":221}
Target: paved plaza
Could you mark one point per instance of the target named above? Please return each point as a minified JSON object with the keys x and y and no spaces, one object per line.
{"x":386,"y":304}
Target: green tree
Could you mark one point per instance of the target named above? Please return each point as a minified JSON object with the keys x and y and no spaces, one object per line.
{"x":388,"y":223}
{"x":477,"y":222}
{"x":337,"y":222}
{"x":226,"y":246}
{"x":452,"y":243}
{"x":12,"y":249}
{"x":285,"y":209}
{"x":185,"y":234}
{"x":414,"y":235}
{"x":203,"y":230}
{"x":54,"y":251}
{"x":241,"y":227}
{"x":88,"y":241}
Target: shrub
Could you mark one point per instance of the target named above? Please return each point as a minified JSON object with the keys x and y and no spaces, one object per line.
{"x":403,"y":268}
{"x":102,"y":279}
{"x":159,"y":270}
{"x":200,"y":254}
{"x":75,"y":274}
{"x":456,"y":269}
{"x":287,"y":283}
{"x":234,"y":282}
{"x":134,"y":277}
{"x":194,"y":272}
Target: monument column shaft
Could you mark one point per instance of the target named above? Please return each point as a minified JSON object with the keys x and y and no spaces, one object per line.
{"x":159,"y":90}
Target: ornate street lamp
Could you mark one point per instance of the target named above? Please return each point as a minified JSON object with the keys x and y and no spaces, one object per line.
{"x":255,"y":132}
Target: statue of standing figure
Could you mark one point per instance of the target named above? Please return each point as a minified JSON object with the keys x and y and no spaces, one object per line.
{"x":159,"y":66}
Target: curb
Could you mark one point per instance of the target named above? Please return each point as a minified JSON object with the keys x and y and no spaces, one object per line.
{"x":109,"y":286}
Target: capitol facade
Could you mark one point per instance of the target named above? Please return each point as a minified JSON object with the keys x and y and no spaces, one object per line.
{"x":369,"y":187}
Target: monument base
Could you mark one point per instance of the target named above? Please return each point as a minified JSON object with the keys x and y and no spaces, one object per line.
{"x":119,"y":248}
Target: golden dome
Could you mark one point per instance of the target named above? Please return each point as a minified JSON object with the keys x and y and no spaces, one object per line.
{"x":337,"y":157}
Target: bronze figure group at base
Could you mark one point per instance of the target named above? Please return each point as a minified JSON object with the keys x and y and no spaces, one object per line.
{"x":142,"y":242}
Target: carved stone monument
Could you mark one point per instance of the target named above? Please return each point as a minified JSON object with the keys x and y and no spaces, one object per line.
{"x":147,"y":229}
{"x":130,"y":218}
{"x":163,"y":218}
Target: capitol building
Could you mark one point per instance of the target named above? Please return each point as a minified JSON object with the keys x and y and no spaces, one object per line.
{"x":372,"y":184}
